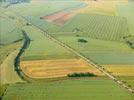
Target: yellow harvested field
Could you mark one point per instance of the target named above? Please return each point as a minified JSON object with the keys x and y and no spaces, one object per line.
{"x":7,"y":73}
{"x":97,"y":7}
{"x":103,"y":7}
{"x":56,"y":68}
{"x":120,"y":70}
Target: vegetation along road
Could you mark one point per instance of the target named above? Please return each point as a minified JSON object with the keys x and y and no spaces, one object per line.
{"x":73,"y":51}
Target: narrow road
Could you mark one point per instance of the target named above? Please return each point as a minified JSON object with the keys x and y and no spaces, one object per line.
{"x":86,"y":59}
{"x":78,"y":54}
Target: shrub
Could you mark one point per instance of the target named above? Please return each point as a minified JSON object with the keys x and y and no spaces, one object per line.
{"x":77,"y":35}
{"x":130,"y":41}
{"x":87,"y":74}
{"x":129,"y":86}
{"x":41,"y":17}
{"x":82,"y":40}
{"x":28,"y":24}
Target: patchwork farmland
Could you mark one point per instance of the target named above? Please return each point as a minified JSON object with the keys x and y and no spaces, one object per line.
{"x":67,"y":50}
{"x":56,"y":68}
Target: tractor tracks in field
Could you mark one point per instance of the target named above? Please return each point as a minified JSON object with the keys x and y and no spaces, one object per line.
{"x":89,"y":61}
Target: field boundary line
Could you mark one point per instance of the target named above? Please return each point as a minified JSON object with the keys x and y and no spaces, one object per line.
{"x":26,"y":43}
{"x":89,"y":61}
{"x":3,"y":94}
{"x":17,"y":59}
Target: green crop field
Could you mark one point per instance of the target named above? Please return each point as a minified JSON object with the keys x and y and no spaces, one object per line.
{"x":9,"y":30}
{"x":43,"y":42}
{"x":98,"y":26}
{"x":95,"y":89}
{"x":95,"y":27}
{"x":124,"y":11}
{"x":7,"y":73}
{"x":100,"y":51}
{"x":43,"y":48}
{"x":35,"y":9}
{"x":7,"y":49}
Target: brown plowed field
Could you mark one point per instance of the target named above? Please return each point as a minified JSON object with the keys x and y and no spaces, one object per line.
{"x":59,"y":18}
{"x":56,"y":68}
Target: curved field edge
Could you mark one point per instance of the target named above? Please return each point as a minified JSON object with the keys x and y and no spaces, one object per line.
{"x":74,"y":89}
{"x":5,"y":50}
{"x":79,"y":55}
{"x":11,"y":66}
{"x":31,"y":32}
{"x":7,"y":72}
{"x":51,"y":38}
{"x":29,"y":36}
{"x":7,"y":55}
{"x":56,"y":68}
{"x":10,"y":42}
{"x":16,"y":97}
{"x":42,"y":48}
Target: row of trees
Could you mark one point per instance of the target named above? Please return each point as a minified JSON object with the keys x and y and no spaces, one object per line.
{"x":86,"y":74}
{"x":17,"y":59}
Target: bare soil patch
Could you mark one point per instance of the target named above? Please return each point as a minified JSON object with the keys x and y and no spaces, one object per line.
{"x":59,"y":18}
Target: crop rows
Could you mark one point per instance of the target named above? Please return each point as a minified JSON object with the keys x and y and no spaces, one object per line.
{"x":86,"y":89}
{"x":98,"y":26}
